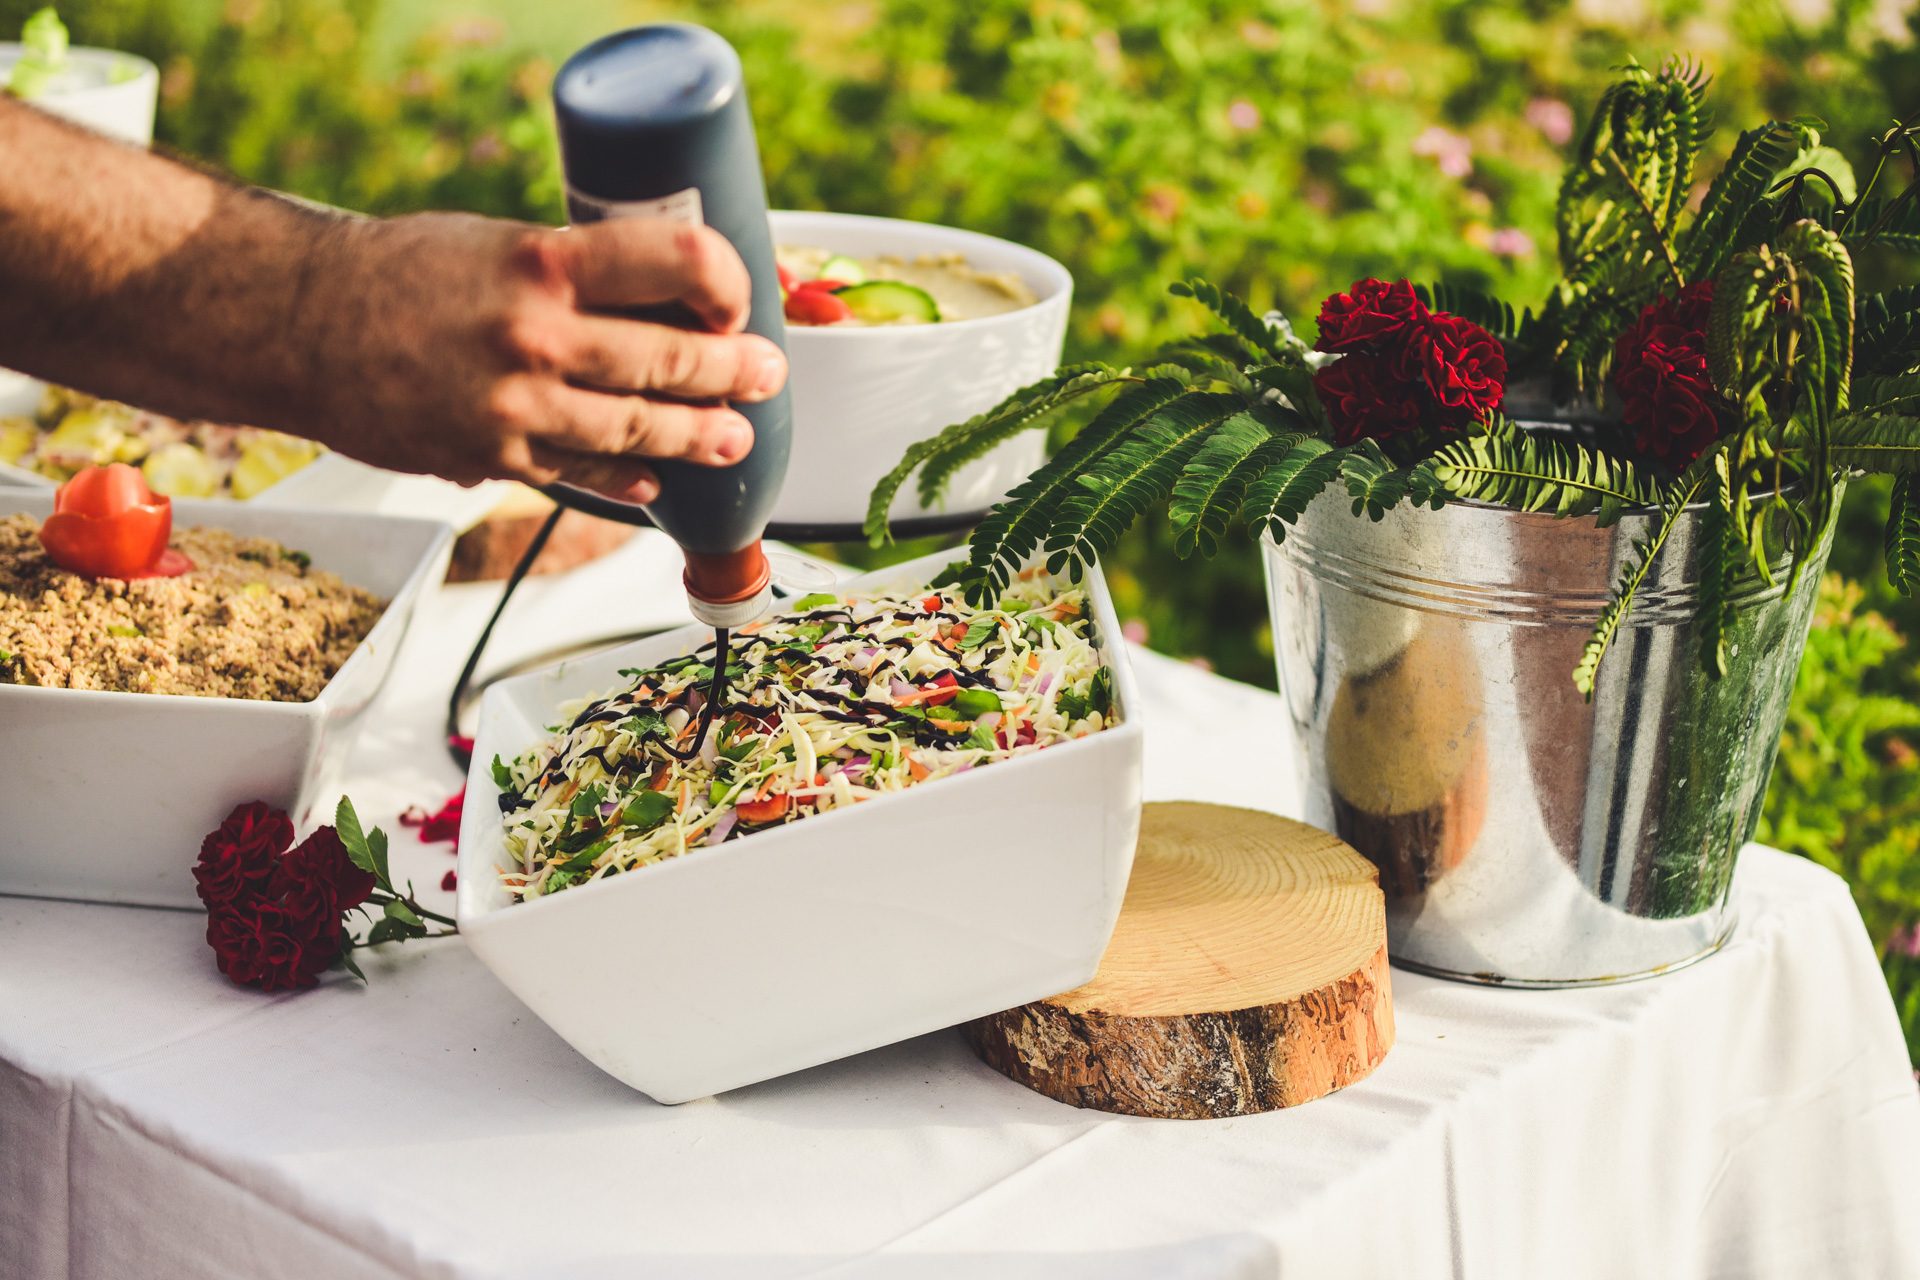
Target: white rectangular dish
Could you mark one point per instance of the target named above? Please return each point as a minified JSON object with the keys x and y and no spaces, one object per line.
{"x":828,"y":936}
{"x":106,"y":796}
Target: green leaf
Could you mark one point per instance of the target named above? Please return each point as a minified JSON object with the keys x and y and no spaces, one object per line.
{"x":1100,"y":692}
{"x":1530,"y":471}
{"x":1209,"y":491}
{"x":1903,"y":536}
{"x":946,"y":453}
{"x":1001,"y":543}
{"x":1239,"y":318}
{"x":1898,"y":230}
{"x":502,"y":776}
{"x":586,"y":857}
{"x":345,"y":960}
{"x":1277,"y":498}
{"x":647,"y":810}
{"x":1645,"y":552}
{"x":346,"y":825}
{"x":1721,"y":553}
{"x":1483,"y":309}
{"x":385,"y":929}
{"x":974,"y":703}
{"x":642,"y":723}
{"x":982,"y":739}
{"x":587,"y":801}
{"x":1139,"y":471}
{"x":1757,"y":159}
{"x":1373,"y":481}
{"x":398,"y":910}
{"x":377,"y":850}
{"x":979,"y":631}
{"x":1072,"y":705}
{"x":818,"y":600}
{"x":1886,"y":444}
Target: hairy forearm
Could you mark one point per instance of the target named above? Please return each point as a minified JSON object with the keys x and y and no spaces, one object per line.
{"x":130,"y":276}
{"x":461,"y":346}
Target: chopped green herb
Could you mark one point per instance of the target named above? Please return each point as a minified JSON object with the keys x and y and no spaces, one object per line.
{"x":129,"y":632}
{"x":1071,"y":705}
{"x":587,"y":803}
{"x":502,"y":776}
{"x":983,"y":739}
{"x":647,"y":810}
{"x":584,"y":859}
{"x":974,"y":703}
{"x":1101,"y":695}
{"x":979,"y":631}
{"x":300,"y":558}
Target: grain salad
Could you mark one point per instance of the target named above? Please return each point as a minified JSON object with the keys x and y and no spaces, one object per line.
{"x":837,"y":702}
{"x":251,"y":620}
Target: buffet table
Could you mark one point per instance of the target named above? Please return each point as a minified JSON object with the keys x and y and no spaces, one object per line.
{"x":1751,"y":1116}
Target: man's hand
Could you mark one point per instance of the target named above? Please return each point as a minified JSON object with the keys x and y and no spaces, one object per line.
{"x":460,"y":346}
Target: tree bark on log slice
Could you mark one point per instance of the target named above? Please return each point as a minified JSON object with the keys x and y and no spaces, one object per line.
{"x":1248,"y":971}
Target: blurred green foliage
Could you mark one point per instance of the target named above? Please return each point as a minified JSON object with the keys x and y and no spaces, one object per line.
{"x":1281,"y":147}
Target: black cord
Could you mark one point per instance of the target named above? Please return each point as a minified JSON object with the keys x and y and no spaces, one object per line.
{"x":457,"y":703}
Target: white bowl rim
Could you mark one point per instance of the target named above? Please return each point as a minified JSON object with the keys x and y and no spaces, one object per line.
{"x":412,"y":587}
{"x":1059,"y":279}
{"x":768,"y":842}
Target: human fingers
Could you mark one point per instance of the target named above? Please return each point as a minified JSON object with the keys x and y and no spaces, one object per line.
{"x":585,"y":421}
{"x":634,"y":262}
{"x":625,"y":355}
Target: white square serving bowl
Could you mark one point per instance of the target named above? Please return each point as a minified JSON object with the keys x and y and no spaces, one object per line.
{"x":828,"y":936}
{"x":106,"y":796}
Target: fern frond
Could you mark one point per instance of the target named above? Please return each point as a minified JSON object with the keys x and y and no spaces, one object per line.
{"x":1872,"y":394}
{"x":1208,"y":493}
{"x":1001,"y":543}
{"x":1890,"y":347}
{"x":1901,"y":231}
{"x":1530,"y":472}
{"x":1138,"y":471}
{"x":1277,"y":498}
{"x":1645,"y":551}
{"x":1483,"y":309}
{"x":1374,"y":483}
{"x":963,"y":442}
{"x":1239,"y":317}
{"x":1878,"y":443}
{"x":1722,"y":553}
{"x":1022,"y":407}
{"x":1742,"y":183}
{"x":1903,"y":536}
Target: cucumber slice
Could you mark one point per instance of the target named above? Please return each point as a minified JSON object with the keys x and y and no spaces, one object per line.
{"x":844,"y":269}
{"x":884,"y":301}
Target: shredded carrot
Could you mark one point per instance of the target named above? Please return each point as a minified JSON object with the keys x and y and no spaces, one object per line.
{"x":918,"y":770}
{"x":686,"y":794}
{"x":1033,"y":662}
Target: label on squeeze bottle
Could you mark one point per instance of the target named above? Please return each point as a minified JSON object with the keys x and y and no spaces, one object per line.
{"x":681,"y":206}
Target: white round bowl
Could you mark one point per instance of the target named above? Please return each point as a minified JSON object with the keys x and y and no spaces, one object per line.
{"x":861,"y":396}
{"x":122,"y":109}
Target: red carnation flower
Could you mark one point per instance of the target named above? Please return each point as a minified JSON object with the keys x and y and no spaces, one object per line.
{"x":1366,"y":399}
{"x":1462,"y":365}
{"x":240,"y":857}
{"x":1370,"y":316}
{"x":1660,"y":367}
{"x":318,"y":883}
{"x":274,"y":914}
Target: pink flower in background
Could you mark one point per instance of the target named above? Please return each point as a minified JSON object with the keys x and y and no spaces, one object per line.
{"x":1243,"y":115}
{"x":1511,"y":242}
{"x":1134,"y":629}
{"x":1452,"y":151}
{"x":1553,"y":118}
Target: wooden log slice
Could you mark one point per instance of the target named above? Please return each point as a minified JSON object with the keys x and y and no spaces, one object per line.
{"x":1248,"y":971}
{"x":489,"y":551}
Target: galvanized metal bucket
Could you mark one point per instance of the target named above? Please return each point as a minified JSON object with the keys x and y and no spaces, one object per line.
{"x":1524,"y":835}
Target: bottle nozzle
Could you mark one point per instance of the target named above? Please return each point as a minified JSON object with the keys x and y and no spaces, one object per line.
{"x":731,"y":589}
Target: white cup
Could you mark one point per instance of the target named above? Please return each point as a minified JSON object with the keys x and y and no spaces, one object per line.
{"x":87,"y":92}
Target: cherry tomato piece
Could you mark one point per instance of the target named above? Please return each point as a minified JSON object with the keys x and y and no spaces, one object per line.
{"x":816,"y":306}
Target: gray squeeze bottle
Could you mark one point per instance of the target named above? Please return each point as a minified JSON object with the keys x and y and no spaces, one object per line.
{"x":653,"y":124}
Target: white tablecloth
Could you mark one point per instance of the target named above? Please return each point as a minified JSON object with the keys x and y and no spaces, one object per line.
{"x":1751,"y":1116}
